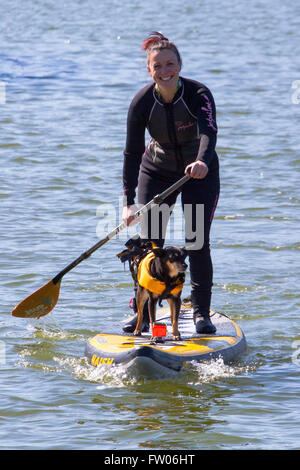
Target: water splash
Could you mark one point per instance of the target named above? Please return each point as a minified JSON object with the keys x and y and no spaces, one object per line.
{"x":193,"y":373}
{"x":215,"y":369}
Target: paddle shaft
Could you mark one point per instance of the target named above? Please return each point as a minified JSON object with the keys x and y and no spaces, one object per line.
{"x":156,"y":200}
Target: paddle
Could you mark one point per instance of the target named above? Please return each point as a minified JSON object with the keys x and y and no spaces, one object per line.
{"x":42,"y":301}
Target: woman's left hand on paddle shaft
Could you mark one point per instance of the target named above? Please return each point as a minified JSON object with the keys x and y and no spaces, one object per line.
{"x":197,"y":169}
{"x":128,"y":215}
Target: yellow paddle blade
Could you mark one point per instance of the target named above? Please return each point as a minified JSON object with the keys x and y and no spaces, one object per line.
{"x":38,"y":304}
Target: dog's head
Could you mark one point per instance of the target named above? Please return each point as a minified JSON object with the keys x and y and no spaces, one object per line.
{"x":173,"y":259}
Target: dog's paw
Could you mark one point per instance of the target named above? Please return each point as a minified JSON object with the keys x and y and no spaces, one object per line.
{"x":176,"y":337}
{"x":137,"y":333}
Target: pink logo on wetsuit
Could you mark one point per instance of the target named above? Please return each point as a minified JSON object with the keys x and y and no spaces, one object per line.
{"x":209,"y":111}
{"x":182,"y":127}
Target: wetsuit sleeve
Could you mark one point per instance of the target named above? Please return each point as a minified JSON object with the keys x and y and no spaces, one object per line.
{"x":134,"y":149}
{"x":206,"y":113}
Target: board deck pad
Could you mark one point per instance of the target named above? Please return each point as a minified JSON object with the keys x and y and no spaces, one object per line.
{"x":113,"y":349}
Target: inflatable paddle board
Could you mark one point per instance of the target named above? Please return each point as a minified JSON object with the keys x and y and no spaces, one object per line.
{"x":146,"y":355}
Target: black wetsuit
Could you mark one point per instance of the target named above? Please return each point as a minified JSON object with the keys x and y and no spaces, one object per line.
{"x":181,"y":132}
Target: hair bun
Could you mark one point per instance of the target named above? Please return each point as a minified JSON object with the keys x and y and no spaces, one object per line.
{"x":154,"y":37}
{"x":157,"y":41}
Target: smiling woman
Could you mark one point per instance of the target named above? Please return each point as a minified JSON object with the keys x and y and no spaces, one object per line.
{"x":164,"y":69}
{"x":164,"y":64}
{"x":180,"y":116}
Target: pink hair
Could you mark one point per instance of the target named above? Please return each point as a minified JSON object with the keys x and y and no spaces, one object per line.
{"x":156,"y":41}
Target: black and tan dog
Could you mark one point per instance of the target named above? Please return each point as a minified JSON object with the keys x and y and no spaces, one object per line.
{"x":160,"y":275}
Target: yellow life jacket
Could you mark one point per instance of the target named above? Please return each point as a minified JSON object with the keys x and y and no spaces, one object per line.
{"x":145,"y":279}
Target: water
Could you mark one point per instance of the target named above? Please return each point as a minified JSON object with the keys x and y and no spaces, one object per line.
{"x":67,"y":73}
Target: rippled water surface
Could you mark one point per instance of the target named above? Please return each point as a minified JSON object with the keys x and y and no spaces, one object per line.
{"x":67,"y":74}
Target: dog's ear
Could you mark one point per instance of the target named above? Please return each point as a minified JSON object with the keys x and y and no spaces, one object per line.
{"x":184,"y":252}
{"x":159,"y":252}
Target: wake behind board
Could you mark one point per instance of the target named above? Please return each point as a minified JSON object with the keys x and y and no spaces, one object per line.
{"x":146,"y":355}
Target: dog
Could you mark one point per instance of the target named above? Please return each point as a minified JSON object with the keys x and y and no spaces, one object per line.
{"x":160,"y":275}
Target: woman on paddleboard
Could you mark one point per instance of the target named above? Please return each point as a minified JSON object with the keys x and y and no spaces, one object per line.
{"x":180,"y":116}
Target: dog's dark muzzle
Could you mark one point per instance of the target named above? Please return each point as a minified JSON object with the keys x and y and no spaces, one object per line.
{"x":181,"y":268}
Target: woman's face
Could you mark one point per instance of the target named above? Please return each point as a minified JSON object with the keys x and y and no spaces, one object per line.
{"x":164,"y":68}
